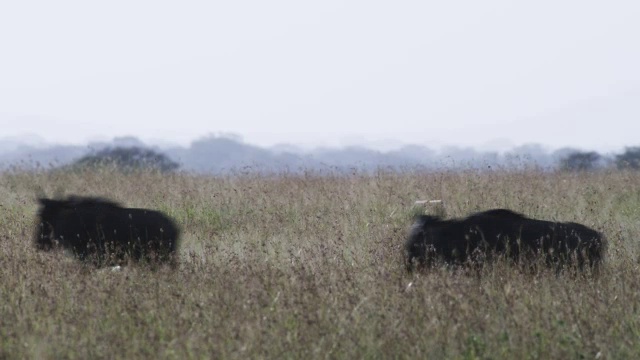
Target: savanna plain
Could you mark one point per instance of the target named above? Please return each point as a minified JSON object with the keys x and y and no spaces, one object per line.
{"x":311,"y":266}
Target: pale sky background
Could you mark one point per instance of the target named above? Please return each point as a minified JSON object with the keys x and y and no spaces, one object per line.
{"x":487,"y":74}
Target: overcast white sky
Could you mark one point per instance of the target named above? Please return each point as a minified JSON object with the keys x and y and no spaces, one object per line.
{"x":470,"y":73}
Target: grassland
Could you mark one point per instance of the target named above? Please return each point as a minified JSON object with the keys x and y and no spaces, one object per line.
{"x":310,"y":266}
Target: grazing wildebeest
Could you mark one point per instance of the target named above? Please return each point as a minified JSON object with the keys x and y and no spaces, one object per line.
{"x":101,"y":231}
{"x":500,"y":232}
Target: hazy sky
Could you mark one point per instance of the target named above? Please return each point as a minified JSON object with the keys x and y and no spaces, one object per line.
{"x":470,"y":73}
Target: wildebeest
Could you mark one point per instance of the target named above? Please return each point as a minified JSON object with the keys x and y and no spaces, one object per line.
{"x":501,"y":232}
{"x":103,"y":232}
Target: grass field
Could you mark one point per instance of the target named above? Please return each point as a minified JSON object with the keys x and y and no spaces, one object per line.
{"x":310,"y":266}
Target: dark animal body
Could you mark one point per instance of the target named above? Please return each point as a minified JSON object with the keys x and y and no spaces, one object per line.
{"x":486,"y":235}
{"x":103,"y":232}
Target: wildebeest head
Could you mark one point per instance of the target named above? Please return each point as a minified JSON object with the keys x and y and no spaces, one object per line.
{"x":419,"y":247}
{"x":45,"y":223}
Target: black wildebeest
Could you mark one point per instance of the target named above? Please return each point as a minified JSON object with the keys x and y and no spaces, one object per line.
{"x":500,"y":232}
{"x":101,"y":231}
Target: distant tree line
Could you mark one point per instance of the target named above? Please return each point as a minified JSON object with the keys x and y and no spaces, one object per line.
{"x":127,"y":159}
{"x":591,"y":160}
{"x":221,"y":154}
{"x":138,"y":158}
{"x":580,"y":161}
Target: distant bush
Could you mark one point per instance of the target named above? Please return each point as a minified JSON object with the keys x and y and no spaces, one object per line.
{"x":580,"y":161}
{"x":127,"y":159}
{"x":630,"y":159}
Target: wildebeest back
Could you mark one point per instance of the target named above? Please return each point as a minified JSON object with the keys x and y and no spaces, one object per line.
{"x":501,"y":232}
{"x":96,"y":228}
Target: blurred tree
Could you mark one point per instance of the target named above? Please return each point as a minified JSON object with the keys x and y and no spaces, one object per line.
{"x":128,"y":158}
{"x":630,"y":159}
{"x":580,"y":161}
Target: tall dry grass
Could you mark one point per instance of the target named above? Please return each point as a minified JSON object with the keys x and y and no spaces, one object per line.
{"x":309,"y":266}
